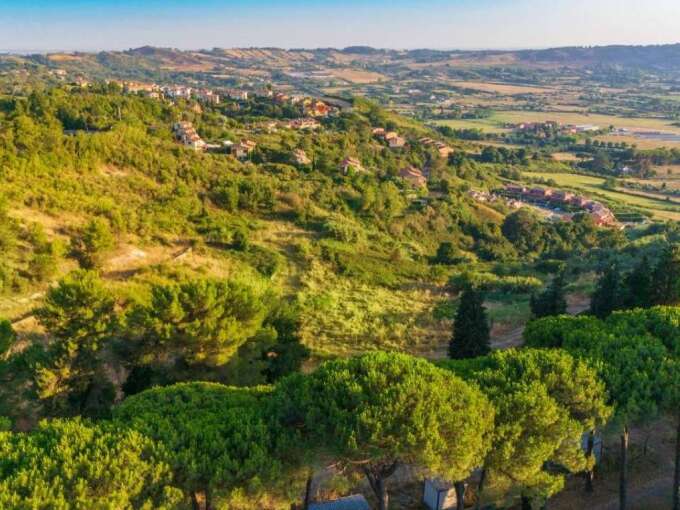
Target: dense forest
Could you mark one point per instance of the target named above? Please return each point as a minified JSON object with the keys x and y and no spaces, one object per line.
{"x":297,"y":314}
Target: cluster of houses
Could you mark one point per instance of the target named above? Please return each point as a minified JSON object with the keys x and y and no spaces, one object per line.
{"x":311,"y":107}
{"x":391,"y":137}
{"x":303,"y":124}
{"x":351,"y":164}
{"x":243,"y":149}
{"x":300,"y":158}
{"x":172,"y":92}
{"x":443,"y":149}
{"x":186,"y":133}
{"x":413,"y":176}
{"x":180,"y":92}
{"x":396,"y":141}
{"x":557,"y":198}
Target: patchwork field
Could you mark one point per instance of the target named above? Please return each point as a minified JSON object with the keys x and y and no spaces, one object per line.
{"x":501,"y":88}
{"x":496,"y":122}
{"x":357,"y":76}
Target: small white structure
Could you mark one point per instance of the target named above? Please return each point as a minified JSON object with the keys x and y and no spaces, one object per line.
{"x":356,"y":502}
{"x":439,"y":495}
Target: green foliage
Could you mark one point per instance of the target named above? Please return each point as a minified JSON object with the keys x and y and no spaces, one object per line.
{"x":608,"y":295}
{"x":491,"y":282}
{"x":94,"y":240}
{"x":544,"y":403}
{"x":80,"y":466}
{"x":198,"y":321}
{"x":380,"y":409}
{"x":552,"y":301}
{"x":666,"y":277}
{"x":214,"y":438}
{"x":525,"y":231}
{"x":638,"y":286}
{"x":629,"y":349}
{"x":449,"y":254}
{"x":7,"y":337}
{"x":471,"y":329}
{"x":344,"y":230}
{"x":79,"y":316}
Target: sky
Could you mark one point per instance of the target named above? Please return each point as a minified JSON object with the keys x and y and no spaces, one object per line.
{"x":88,"y":25}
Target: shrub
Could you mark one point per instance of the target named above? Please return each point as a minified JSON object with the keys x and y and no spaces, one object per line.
{"x":344,"y":229}
{"x":492,"y":282}
{"x":94,"y":240}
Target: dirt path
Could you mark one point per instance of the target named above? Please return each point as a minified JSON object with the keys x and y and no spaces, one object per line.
{"x":654,"y":494}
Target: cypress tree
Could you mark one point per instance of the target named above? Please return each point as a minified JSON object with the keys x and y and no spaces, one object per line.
{"x":608,"y":294}
{"x":552,"y":301}
{"x":638,"y":286}
{"x":471,"y":330}
{"x":666,"y":277}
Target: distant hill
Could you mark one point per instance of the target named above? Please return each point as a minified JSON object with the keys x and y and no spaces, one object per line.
{"x":666,"y":57}
{"x":148,"y":62}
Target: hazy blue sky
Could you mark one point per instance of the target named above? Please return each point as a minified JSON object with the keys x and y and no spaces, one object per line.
{"x":121,"y":24}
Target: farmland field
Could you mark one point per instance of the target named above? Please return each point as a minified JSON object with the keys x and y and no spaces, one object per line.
{"x":495,"y":123}
{"x":641,"y":143}
{"x":501,"y":88}
{"x":486,"y":125}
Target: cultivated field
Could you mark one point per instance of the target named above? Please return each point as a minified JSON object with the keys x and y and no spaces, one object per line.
{"x":358,"y":76}
{"x":501,"y":88}
{"x":495,"y":123}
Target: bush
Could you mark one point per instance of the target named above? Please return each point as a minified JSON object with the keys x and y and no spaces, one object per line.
{"x":492,"y":282}
{"x":344,"y":229}
{"x":42,"y":266}
{"x":7,"y":336}
{"x":94,"y":240}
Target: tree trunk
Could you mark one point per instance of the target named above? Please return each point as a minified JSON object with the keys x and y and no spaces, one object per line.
{"x":590,"y":474}
{"x":194,"y":501}
{"x":623,"y":481}
{"x":460,"y":495}
{"x":676,"y":479}
{"x":208,"y":499}
{"x":377,"y":477}
{"x":480,"y":489}
{"x":526,"y":503}
{"x":383,"y":497}
{"x":308,"y":492}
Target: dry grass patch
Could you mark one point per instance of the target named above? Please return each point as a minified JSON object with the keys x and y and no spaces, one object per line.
{"x":358,"y":76}
{"x":343,"y":317}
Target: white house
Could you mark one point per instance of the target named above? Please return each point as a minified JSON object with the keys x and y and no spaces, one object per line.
{"x":439,"y":495}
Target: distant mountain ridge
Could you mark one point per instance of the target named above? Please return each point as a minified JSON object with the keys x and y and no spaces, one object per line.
{"x":151,"y":62}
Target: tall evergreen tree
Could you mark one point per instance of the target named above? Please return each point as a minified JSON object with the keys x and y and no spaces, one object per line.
{"x":608,"y":295}
{"x":638,"y":286}
{"x":471,"y":330}
{"x":666,"y":277}
{"x":552,"y":301}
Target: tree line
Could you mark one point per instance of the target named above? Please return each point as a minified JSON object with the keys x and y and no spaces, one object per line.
{"x":193,"y":444}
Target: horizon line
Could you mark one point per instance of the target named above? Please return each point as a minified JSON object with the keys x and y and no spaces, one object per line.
{"x":48,"y":51}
